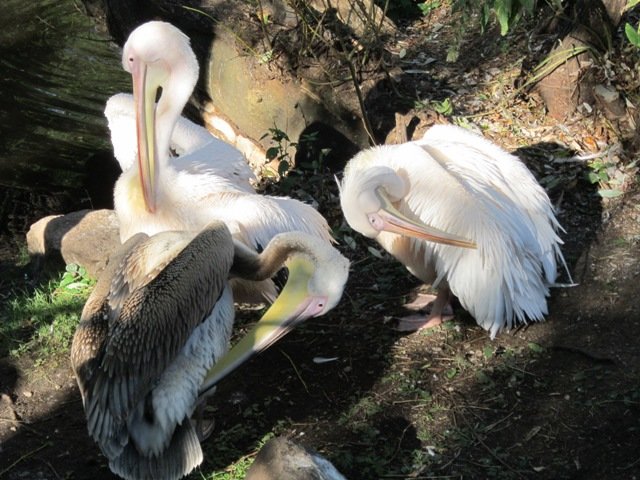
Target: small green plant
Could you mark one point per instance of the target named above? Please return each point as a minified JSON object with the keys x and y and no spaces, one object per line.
{"x":609,"y":177}
{"x":427,"y":7}
{"x":507,"y":13}
{"x":43,"y":322}
{"x":632,"y":33}
{"x":444,"y":107}
{"x":281,"y":150}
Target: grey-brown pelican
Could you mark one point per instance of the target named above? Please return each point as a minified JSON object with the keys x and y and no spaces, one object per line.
{"x":160,"y":316}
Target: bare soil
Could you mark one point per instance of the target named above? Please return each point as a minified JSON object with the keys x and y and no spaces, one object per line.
{"x":557,"y":399}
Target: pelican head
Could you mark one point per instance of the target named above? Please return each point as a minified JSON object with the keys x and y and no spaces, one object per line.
{"x":317,"y":277}
{"x":158,"y":55}
{"x":369,"y":197}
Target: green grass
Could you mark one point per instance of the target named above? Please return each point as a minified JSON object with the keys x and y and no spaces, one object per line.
{"x":42,"y":322}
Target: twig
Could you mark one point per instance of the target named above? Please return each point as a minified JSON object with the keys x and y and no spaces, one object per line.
{"x":48,"y":464}
{"x":627,"y":467}
{"x":488,"y":449}
{"x":26,"y":455}
{"x":365,"y":117}
{"x":455,"y":457}
{"x":297,"y":372}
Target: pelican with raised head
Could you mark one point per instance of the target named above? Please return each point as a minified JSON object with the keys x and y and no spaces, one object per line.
{"x":160,"y":316}
{"x":155,"y":196}
{"x":462,"y":215}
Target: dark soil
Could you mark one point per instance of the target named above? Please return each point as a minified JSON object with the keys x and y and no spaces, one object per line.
{"x":558,"y":399}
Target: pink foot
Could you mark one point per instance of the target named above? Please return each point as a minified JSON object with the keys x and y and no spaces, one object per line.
{"x":440,"y":310}
{"x":412,"y":323}
{"x":422,"y":301}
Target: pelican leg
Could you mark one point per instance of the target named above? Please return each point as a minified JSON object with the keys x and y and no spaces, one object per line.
{"x":440,"y":311}
{"x":204,"y":428}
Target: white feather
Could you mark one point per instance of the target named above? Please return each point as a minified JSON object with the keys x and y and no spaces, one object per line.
{"x":202,"y":184}
{"x":463,"y":184}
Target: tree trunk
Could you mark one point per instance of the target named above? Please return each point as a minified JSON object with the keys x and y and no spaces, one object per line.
{"x":591,"y":23}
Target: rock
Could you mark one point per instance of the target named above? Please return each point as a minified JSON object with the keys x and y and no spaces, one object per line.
{"x":567,"y":76}
{"x":283,"y":459}
{"x":363,"y":16}
{"x":247,"y":95}
{"x":610,"y":102}
{"x":85,"y":237}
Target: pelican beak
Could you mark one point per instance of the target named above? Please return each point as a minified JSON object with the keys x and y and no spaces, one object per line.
{"x":144,"y":99}
{"x":390,"y":219}
{"x":293,"y":306}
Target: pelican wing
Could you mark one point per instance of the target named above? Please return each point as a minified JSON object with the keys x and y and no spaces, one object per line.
{"x":91,"y":335}
{"x":471,"y":194}
{"x":255,"y":219}
{"x":151,"y":323}
{"x":465,"y":151}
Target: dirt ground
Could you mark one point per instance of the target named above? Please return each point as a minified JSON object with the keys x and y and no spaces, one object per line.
{"x":557,"y":399}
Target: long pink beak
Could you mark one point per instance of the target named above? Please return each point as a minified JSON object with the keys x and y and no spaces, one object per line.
{"x":144,"y":99}
{"x":389,"y":219}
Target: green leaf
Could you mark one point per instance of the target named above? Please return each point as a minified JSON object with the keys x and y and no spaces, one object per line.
{"x":375,"y":252}
{"x":452,"y":53}
{"x":632,"y":34}
{"x":72,"y":267}
{"x":351,"y":243}
{"x":503,"y":13}
{"x":283,"y":167}
{"x":272,"y":153}
{"x":593,"y":177}
{"x":444,"y":107}
{"x":609,"y":193}
{"x":534,"y":347}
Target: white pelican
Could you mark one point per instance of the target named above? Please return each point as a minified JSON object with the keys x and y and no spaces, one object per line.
{"x":160,"y":315}
{"x":499,"y":255}
{"x":196,"y":151}
{"x":157,"y":197}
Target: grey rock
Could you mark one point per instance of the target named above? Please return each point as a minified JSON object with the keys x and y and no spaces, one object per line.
{"x":283,"y":459}
{"x":85,"y":237}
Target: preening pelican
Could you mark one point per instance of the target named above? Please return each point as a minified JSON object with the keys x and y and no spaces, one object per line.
{"x":317,"y":276}
{"x":161,"y":315}
{"x":496,"y":237}
{"x":157,"y":197}
{"x":194,"y":151}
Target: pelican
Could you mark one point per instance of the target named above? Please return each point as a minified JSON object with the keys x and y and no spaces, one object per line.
{"x":160,"y":316}
{"x":462,"y":215}
{"x":155,"y":196}
{"x":197,"y":152}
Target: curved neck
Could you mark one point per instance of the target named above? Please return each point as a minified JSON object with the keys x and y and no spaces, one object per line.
{"x":250,"y":265}
{"x":175,"y":95}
